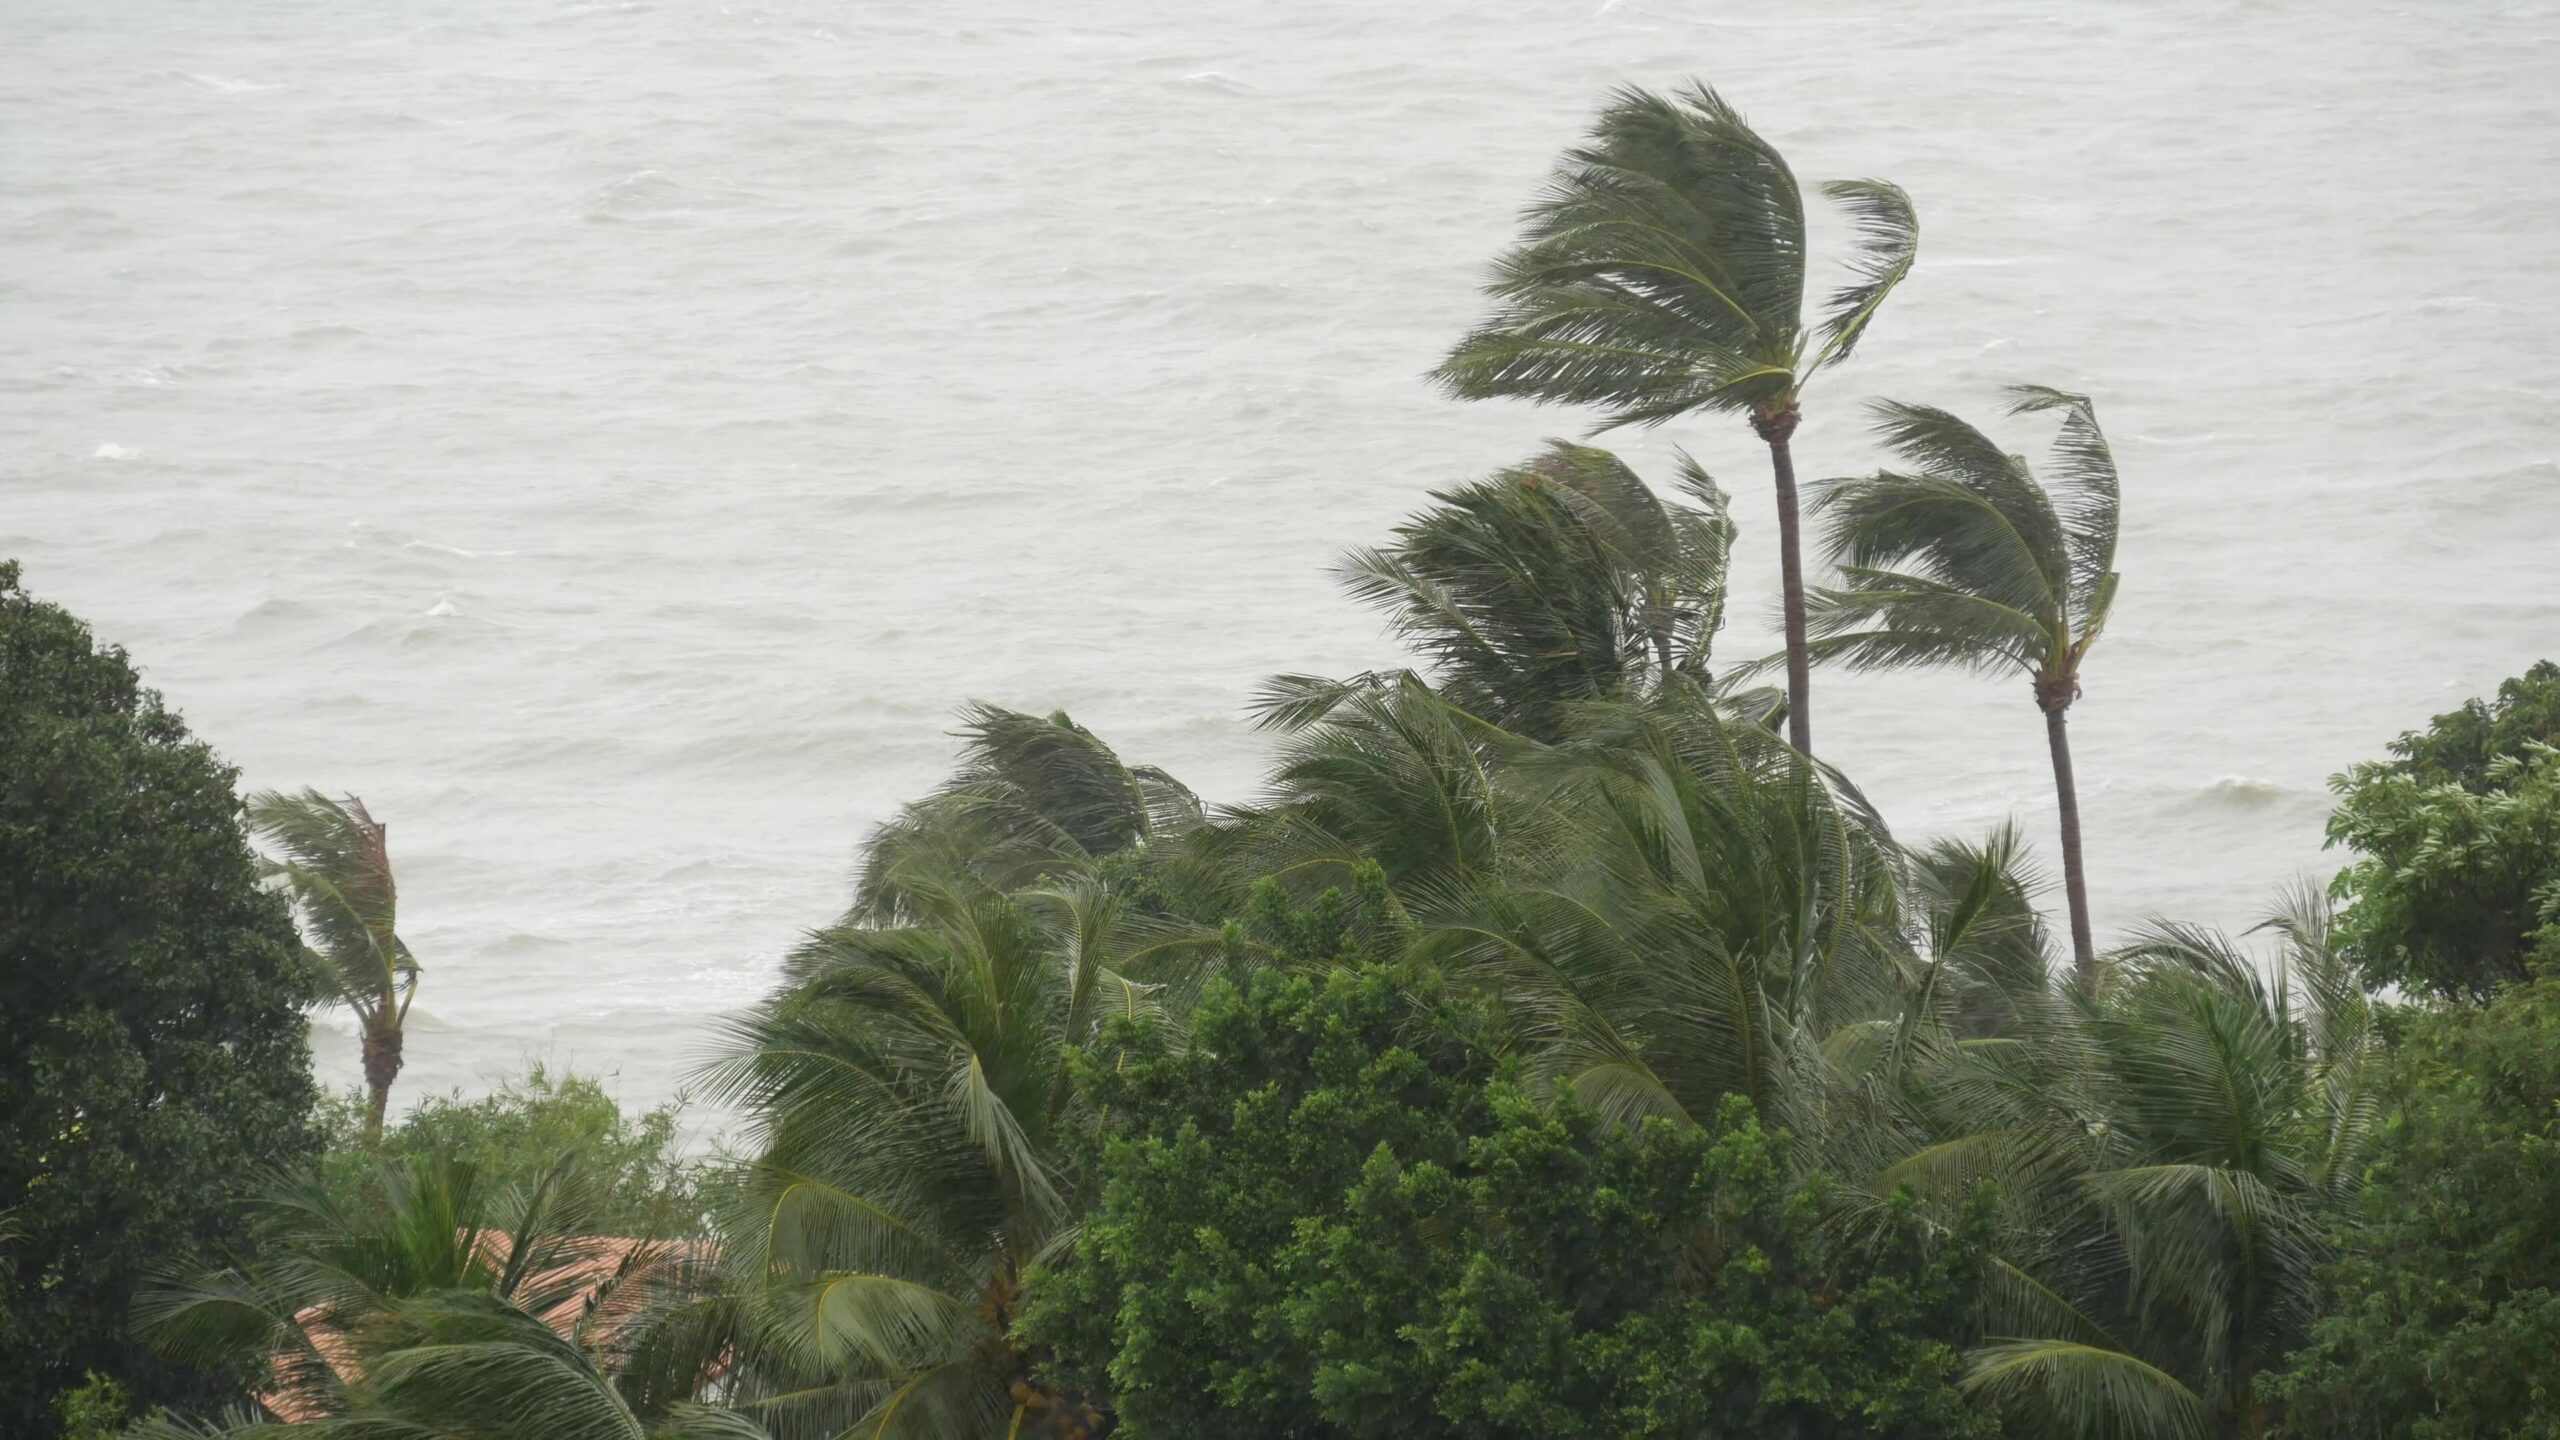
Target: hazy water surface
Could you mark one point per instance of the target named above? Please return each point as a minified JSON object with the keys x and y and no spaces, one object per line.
{"x":613,"y":437}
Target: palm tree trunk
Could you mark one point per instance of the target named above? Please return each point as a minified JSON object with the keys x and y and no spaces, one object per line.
{"x":1776,"y":428}
{"x":381,"y":1066}
{"x":2075,"y":883}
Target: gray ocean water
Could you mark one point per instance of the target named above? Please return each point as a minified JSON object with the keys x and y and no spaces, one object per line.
{"x":612,"y":438}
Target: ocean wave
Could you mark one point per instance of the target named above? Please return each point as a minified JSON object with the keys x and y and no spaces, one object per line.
{"x":2243,"y":791}
{"x":1220,"y":81}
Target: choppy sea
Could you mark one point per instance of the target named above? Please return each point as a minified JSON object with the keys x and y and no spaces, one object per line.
{"x":612,"y":438}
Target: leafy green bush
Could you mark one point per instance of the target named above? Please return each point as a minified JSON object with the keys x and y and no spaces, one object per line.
{"x":2457,"y":891}
{"x":2441,"y":1317}
{"x":1329,"y":1215}
{"x":645,"y":1182}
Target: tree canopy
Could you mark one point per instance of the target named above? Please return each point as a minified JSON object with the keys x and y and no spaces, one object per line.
{"x":1331,"y":1214}
{"x":2455,"y":888}
{"x":152,"y":1040}
{"x":2442,"y":1313}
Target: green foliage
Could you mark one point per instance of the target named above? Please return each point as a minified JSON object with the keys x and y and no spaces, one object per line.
{"x":910,"y":1105}
{"x":645,"y":1183}
{"x":2456,"y":888}
{"x":2168,"y":1154}
{"x":2442,"y":1314}
{"x":1561,"y":580}
{"x":98,"y":1409}
{"x":2459,"y":746}
{"x":1332,"y":1215}
{"x":152,"y":1042}
{"x":1035,"y":798}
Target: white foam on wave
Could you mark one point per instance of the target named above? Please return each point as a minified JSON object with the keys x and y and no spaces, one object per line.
{"x":1219,"y":80}
{"x":113,"y":451}
{"x":222,"y":86}
{"x":457,"y":551}
{"x":2246,"y":790}
{"x":444,"y":608}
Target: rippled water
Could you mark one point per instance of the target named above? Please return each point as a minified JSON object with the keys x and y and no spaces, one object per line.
{"x":613,"y":438}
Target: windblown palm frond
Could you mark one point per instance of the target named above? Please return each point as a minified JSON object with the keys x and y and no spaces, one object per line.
{"x":333,"y":859}
{"x":1964,"y":559}
{"x":1561,"y":580}
{"x":1711,"y":916}
{"x":470,"y":1365}
{"x":2167,"y":1153}
{"x":1034,"y":797}
{"x":908,"y":1098}
{"x":1394,"y":774}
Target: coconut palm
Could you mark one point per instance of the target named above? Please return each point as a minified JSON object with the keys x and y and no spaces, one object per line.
{"x":1963,"y":559}
{"x":2168,"y":1154}
{"x":334,"y":859}
{"x":1713,"y":913}
{"x":909,"y":1099}
{"x":1663,"y":272}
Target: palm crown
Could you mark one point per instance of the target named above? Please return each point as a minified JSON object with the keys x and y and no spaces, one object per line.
{"x":1963,"y":559}
{"x":1561,"y":580}
{"x":1663,"y":271}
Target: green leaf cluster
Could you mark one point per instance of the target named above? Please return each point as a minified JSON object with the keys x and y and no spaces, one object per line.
{"x":1332,"y":1213}
{"x":2441,"y":1316}
{"x":646,"y":1182}
{"x":2455,"y":890}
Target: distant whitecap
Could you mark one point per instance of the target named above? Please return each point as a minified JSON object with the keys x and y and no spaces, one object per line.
{"x":113,"y":451}
{"x":220,"y":85}
{"x":444,"y":607}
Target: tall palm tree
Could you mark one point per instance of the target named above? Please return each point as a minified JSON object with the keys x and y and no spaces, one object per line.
{"x":334,"y":859}
{"x":1963,"y":559}
{"x":1663,"y":272}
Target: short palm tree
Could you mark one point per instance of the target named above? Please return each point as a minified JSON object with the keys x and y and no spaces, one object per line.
{"x":1035,"y":798}
{"x":334,"y":859}
{"x":2168,"y":1156}
{"x":1663,"y":272}
{"x":909,"y":1099}
{"x":1963,"y":559}
{"x":438,"y":1300}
